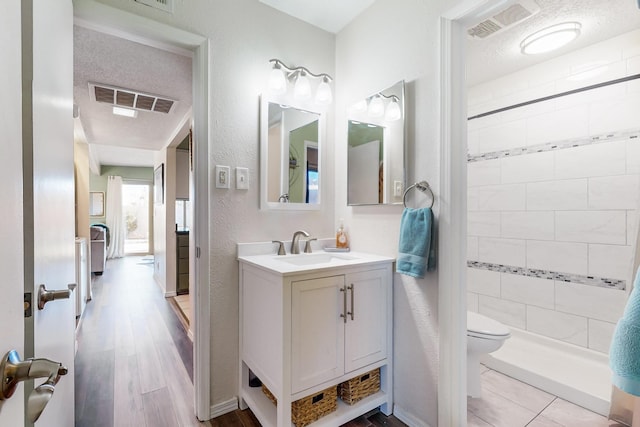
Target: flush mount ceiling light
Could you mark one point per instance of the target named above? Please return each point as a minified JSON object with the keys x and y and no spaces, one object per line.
{"x":302,"y":87}
{"x":126,"y":112}
{"x":550,"y":38}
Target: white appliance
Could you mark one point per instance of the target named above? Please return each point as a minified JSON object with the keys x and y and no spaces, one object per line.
{"x":82,"y":275}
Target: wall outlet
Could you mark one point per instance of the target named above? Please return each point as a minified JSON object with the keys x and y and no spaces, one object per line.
{"x":242,"y":178}
{"x":222,"y":176}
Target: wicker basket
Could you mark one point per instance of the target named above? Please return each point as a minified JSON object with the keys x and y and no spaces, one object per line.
{"x":267,"y":393}
{"x":358,"y":388}
{"x":311,"y":408}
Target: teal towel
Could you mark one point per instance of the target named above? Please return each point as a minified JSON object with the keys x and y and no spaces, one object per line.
{"x":624,"y":354}
{"x":417,"y":250}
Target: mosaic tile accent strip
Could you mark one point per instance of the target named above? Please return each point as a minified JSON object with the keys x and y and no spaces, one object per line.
{"x":557,"y":145}
{"x":601,"y":282}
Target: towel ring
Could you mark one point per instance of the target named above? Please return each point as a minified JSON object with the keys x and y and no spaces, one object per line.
{"x":422,"y":186}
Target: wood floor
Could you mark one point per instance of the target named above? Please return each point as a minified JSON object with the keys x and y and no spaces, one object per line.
{"x":247,"y":419}
{"x":134,"y":361}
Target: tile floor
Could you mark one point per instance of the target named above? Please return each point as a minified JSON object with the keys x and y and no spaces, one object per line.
{"x":507,"y":402}
{"x":184,"y":305}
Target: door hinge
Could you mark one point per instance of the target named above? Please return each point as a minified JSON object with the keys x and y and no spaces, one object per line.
{"x":197,"y":251}
{"x":28,"y":304}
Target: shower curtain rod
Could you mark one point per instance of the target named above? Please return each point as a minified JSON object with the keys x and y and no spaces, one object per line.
{"x":558,"y":95}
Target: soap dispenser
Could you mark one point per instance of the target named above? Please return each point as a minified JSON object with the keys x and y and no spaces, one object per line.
{"x":342,"y":240}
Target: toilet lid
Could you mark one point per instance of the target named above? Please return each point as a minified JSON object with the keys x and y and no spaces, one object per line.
{"x":479,"y":325}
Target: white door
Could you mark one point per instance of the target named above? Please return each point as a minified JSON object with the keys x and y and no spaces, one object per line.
{"x":53,"y":196}
{"x":11,"y":250}
{"x":45,"y":203}
{"x":317,"y":331}
{"x":364,"y":173}
{"x":366,"y":329}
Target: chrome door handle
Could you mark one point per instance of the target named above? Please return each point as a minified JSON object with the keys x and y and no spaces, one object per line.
{"x":13,"y":371}
{"x":45,"y":296}
{"x":352,"y":289}
{"x":344,"y":304}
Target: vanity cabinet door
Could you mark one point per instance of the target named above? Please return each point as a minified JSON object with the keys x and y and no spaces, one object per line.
{"x":366,"y":330}
{"x":317,"y":331}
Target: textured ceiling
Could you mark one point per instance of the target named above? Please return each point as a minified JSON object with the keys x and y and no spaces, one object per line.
{"x":113,"y":61}
{"x":500,"y":54}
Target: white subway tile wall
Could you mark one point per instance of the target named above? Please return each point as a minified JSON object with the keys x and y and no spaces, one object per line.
{"x":600,"y":334}
{"x":561,"y":326}
{"x":565,"y":257}
{"x":483,"y":282}
{"x":553,"y":192}
{"x":502,"y":251}
{"x":508,"y":312}
{"x":590,"y":301}
{"x":528,"y":290}
{"x":614,"y":192}
{"x":612,"y":261}
{"x":570,"y":194}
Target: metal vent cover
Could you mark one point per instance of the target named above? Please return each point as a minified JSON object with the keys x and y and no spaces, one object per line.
{"x":504,"y":19}
{"x":130,"y":98}
{"x":512,"y":14}
{"x":164,"y":5}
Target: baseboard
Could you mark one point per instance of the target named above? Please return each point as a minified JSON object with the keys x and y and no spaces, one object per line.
{"x":407,"y":418}
{"x":170,"y":294}
{"x":224,"y":407}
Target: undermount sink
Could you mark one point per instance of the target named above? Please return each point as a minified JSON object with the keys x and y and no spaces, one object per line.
{"x":311,"y":259}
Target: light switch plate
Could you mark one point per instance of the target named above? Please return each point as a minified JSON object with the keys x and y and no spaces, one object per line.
{"x":397,"y":188}
{"x":242,"y":178}
{"x":222,"y":176}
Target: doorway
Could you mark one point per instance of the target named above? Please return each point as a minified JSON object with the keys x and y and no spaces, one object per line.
{"x":135,"y":208}
{"x":123,"y":24}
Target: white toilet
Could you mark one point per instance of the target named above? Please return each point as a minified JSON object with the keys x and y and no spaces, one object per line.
{"x":484,"y":335}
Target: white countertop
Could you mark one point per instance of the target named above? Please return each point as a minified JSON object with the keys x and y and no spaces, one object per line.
{"x":304,"y":262}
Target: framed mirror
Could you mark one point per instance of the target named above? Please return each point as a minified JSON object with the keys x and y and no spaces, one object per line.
{"x":96,"y":203}
{"x":376,"y":148}
{"x":290,"y":156}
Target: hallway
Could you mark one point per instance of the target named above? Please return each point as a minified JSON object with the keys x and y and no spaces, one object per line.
{"x":134,"y":359}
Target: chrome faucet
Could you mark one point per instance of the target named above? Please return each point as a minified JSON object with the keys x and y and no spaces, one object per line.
{"x":295,"y":245}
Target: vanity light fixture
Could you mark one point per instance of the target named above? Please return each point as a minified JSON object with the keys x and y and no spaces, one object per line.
{"x":377,"y":108}
{"x":323,"y":94}
{"x":550,"y":38}
{"x":277,"y":81}
{"x":393,"y":112}
{"x":302,"y":87}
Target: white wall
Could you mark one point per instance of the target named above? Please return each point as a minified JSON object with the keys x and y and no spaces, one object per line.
{"x":565,"y":207}
{"x":11,"y":196}
{"x":397,"y":40}
{"x":244,"y":35}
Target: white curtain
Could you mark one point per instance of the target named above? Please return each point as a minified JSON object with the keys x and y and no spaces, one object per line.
{"x":115,"y":218}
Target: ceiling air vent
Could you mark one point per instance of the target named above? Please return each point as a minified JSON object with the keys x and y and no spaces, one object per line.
{"x":164,"y":5}
{"x":506,"y":18}
{"x":130,"y":98}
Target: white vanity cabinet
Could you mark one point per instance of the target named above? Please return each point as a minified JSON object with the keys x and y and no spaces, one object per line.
{"x":305,"y":331}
